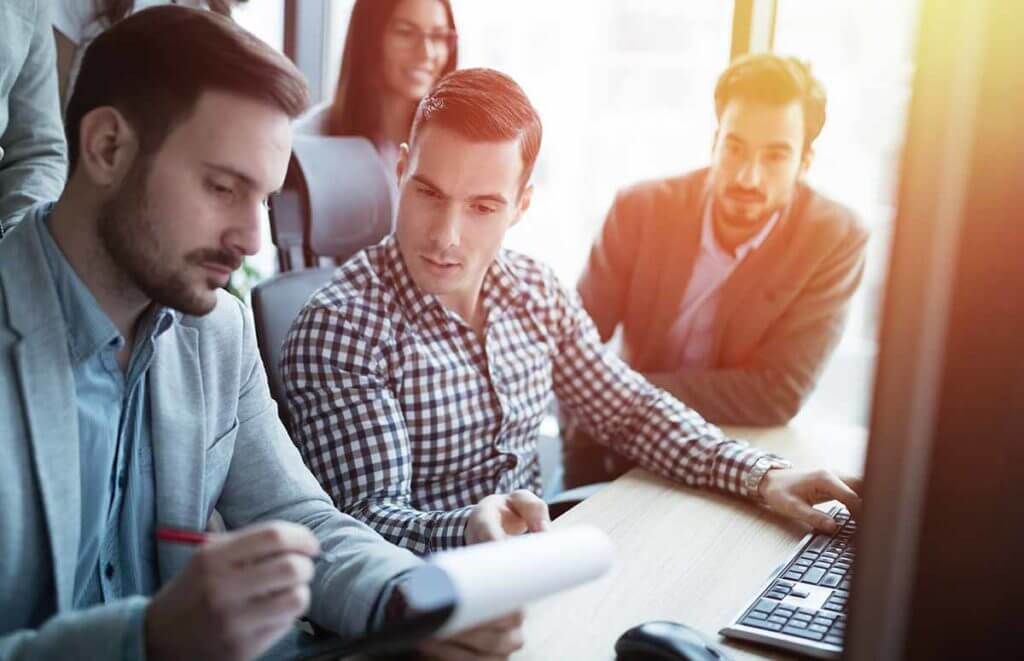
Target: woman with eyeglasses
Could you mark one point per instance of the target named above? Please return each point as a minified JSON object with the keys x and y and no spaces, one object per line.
{"x":395,"y":50}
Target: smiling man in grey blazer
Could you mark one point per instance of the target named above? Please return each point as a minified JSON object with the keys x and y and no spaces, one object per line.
{"x":132,"y":396}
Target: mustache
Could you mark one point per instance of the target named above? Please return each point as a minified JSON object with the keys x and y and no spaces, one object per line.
{"x":745,"y":194}
{"x":221,"y":257}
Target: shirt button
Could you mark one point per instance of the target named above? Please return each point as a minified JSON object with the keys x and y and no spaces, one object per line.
{"x":109,"y":571}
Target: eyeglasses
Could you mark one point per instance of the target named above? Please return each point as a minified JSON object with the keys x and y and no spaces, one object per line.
{"x":408,"y":36}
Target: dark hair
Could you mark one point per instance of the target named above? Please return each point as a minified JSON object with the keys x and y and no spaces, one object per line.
{"x":154,"y":65}
{"x":356,"y":106}
{"x":112,"y":11}
{"x":778,"y":80}
{"x":483,"y":105}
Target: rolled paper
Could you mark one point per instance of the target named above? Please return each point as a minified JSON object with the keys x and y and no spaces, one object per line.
{"x":498,"y":578}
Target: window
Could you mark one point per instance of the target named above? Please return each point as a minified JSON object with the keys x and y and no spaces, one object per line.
{"x":863,"y":53}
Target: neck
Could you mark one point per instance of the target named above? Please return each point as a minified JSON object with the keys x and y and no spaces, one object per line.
{"x":395,"y":119}
{"x":731,"y":236}
{"x":74,"y":225}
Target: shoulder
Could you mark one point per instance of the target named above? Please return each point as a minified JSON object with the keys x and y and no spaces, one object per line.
{"x":539,"y":286}
{"x":358,"y":303}
{"x":657,"y":193}
{"x":829,"y":219}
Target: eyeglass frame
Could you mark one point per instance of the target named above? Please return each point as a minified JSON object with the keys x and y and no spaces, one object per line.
{"x":404,"y":31}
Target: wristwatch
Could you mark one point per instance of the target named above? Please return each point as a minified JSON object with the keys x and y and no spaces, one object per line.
{"x":752,"y":482}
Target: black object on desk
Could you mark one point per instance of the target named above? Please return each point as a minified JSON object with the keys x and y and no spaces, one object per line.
{"x":430,"y":599}
{"x":666,"y":641}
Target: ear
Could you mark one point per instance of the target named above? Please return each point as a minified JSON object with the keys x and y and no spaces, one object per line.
{"x":523,"y":204}
{"x":403,"y":161}
{"x":108,"y":146}
{"x":805,"y":163}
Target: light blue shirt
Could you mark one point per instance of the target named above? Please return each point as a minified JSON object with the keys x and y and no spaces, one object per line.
{"x":116,"y":556}
{"x":691,"y":336}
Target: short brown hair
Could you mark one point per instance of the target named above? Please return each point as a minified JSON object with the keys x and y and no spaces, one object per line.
{"x":155,"y":64}
{"x":774,"y":79}
{"x":483,"y":105}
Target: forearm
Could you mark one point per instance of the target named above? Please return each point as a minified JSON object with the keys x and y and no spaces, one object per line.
{"x":753,"y":397}
{"x":111,"y":631}
{"x":664,"y":436}
{"x":419,"y":531}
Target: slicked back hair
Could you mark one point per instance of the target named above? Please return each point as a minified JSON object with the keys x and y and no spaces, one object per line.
{"x":483,"y":105}
{"x":155,"y":64}
{"x":776,"y":80}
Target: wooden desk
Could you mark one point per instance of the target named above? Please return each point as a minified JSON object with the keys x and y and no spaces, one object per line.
{"x":691,"y":556}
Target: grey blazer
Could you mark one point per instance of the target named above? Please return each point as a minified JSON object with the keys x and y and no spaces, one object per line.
{"x":217,"y":442}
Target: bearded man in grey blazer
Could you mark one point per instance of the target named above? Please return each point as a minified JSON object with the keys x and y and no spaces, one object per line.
{"x":131,"y":390}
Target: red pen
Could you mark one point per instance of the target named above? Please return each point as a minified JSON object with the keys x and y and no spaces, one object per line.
{"x":180,"y":536}
{"x":196,"y":537}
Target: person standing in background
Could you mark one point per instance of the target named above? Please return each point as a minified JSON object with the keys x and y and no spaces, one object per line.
{"x":33,"y":156}
{"x":395,"y":51}
{"x":77,"y":22}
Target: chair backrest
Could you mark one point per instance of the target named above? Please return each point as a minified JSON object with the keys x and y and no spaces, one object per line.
{"x":275,"y":305}
{"x":336,"y":201}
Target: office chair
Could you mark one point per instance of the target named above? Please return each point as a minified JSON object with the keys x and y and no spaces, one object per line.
{"x":335,"y":202}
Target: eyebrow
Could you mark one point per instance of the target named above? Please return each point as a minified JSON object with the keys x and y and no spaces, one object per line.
{"x":774,"y":145}
{"x":230,"y":171}
{"x":497,"y":198}
{"x":404,"y":22}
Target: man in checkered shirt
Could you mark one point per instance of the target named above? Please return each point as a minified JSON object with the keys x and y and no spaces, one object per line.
{"x":417,"y":378}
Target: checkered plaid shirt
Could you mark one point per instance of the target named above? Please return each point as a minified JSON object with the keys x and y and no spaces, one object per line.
{"x":408,"y":418}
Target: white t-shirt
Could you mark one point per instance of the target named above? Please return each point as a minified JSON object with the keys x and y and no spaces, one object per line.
{"x":76,"y":20}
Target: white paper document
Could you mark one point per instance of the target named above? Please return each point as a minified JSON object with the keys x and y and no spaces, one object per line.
{"x":498,"y":578}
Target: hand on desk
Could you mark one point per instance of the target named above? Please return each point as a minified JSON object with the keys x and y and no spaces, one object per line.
{"x":491,"y":641}
{"x":240,"y":593}
{"x":793,"y":493}
{"x":498,"y":516}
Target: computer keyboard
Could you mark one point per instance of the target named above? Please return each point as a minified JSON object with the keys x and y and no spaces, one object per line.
{"x":802,"y":608}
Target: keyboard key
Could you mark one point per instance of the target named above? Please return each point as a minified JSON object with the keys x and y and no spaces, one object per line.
{"x":813,"y":576}
{"x":800,"y":593}
{"x":776,"y":594}
{"x":834,"y":640}
{"x":803,"y":633}
{"x":793,"y":575}
{"x":832,"y":580}
{"x":832,"y":607}
{"x":757,"y":615}
{"x":783,"y":585}
{"x":766,"y":605}
{"x":818,"y":628}
{"x":818,"y":543}
{"x":763,"y":624}
{"x":778,"y":619}
{"x":798,"y":623}
{"x":828,"y":616}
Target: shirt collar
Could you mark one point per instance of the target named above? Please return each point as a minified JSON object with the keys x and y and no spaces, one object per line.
{"x":710,"y":243}
{"x":89,"y":328}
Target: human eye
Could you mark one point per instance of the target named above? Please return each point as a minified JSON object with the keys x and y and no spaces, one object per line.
{"x":220,"y":189}
{"x":482,"y":209}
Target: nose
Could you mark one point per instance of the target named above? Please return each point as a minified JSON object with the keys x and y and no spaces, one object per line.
{"x":428,"y":48}
{"x":749,"y":175}
{"x":244,"y":235}
{"x":445,"y":231}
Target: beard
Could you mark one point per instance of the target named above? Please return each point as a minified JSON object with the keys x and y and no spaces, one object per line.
{"x":130,"y":235}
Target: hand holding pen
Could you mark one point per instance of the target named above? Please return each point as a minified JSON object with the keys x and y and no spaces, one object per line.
{"x":239,"y":594}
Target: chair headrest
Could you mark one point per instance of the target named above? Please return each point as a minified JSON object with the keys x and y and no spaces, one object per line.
{"x":347,"y":191}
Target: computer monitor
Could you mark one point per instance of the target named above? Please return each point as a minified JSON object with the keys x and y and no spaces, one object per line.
{"x":939,"y":572}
